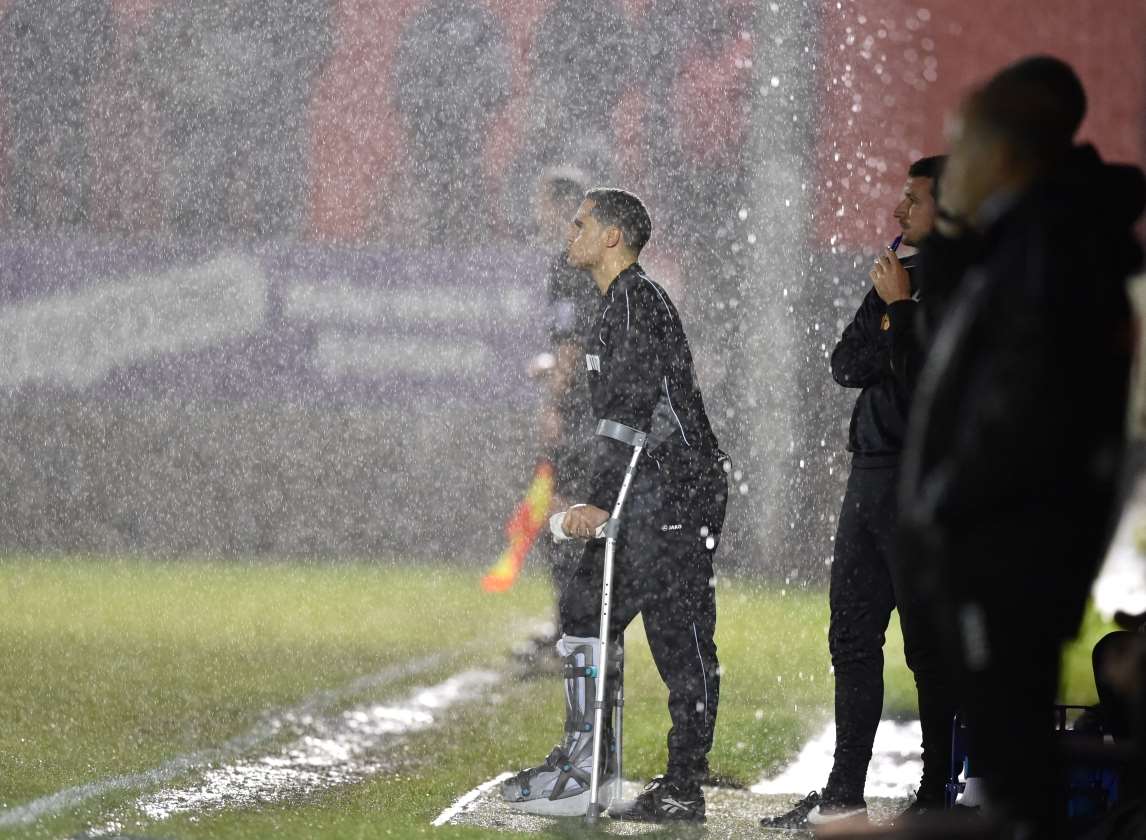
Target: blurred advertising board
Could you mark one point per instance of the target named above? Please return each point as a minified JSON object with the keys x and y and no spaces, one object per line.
{"x":293,"y":322}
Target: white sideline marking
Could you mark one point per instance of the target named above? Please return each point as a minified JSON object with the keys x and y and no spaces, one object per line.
{"x":265,"y":730}
{"x":68,"y":798}
{"x":342,"y":749}
{"x":895,"y":769}
{"x":462,"y":802}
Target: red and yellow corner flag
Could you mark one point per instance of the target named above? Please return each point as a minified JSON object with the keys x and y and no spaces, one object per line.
{"x":527,"y":521}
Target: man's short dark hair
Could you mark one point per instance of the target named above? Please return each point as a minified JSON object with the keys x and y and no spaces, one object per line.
{"x":1035,"y":105}
{"x":929,"y":167}
{"x":614,"y":207}
{"x":565,"y":190}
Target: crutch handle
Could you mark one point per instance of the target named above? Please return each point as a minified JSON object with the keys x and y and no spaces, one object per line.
{"x":557,"y":528}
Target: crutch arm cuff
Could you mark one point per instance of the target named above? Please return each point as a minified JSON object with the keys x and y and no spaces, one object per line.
{"x":620,"y":432}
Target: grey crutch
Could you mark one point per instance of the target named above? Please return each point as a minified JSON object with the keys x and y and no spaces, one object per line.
{"x":636,"y":439}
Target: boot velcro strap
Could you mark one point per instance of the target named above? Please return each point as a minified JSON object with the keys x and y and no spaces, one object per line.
{"x":583,"y":726}
{"x":568,"y":772}
{"x":574,"y":671}
{"x":553,"y":761}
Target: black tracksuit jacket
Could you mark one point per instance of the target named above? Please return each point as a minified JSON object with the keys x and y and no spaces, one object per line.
{"x":641,"y":374}
{"x":879,"y":352}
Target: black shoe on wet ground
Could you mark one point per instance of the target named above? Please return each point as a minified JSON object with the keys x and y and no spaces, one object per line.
{"x":925,"y":806}
{"x":663,"y":800}
{"x":814,"y":810}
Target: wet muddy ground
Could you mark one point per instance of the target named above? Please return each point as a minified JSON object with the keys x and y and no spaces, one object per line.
{"x":732,"y":813}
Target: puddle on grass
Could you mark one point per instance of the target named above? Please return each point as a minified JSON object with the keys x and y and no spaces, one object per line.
{"x":896,"y":763}
{"x":1121,"y":585}
{"x":328,"y":752}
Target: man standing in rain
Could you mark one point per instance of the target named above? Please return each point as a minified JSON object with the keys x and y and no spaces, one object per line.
{"x":1014,"y":451}
{"x":233,"y":80}
{"x":641,"y":380}
{"x":452,"y":73}
{"x":52,"y":54}
{"x":880,"y":354}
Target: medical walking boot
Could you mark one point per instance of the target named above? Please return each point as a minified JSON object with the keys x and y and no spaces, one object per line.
{"x":559,"y":786}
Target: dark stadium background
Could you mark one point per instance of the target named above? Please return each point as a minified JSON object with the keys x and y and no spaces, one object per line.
{"x":273,"y":320}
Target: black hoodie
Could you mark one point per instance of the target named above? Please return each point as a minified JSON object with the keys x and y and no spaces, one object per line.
{"x":879,"y":353}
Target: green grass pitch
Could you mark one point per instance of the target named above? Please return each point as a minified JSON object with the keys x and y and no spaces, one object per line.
{"x":115,"y":666}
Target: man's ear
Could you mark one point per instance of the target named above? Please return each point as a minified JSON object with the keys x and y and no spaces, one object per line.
{"x":613,"y":237}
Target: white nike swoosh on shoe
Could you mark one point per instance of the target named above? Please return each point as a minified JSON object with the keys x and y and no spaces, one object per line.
{"x":672,"y":805}
{"x":818,"y":817}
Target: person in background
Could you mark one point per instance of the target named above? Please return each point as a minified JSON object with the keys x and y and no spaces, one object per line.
{"x":566,"y":427}
{"x":580,"y":54}
{"x":233,"y":81}
{"x":52,"y":55}
{"x":451,"y":75}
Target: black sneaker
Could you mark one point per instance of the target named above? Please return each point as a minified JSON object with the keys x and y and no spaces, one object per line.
{"x":814,"y":810}
{"x":797,"y":818}
{"x":663,"y":800}
{"x":829,"y":811}
{"x":923,"y":807}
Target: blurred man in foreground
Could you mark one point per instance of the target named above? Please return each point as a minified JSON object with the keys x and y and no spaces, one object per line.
{"x":641,"y":379}
{"x":1011,"y":464}
{"x":879,"y":354}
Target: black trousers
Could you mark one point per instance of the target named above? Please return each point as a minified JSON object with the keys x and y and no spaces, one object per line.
{"x":867,"y":583}
{"x":571,"y":467}
{"x":664,"y":574}
{"x":1015,"y":591}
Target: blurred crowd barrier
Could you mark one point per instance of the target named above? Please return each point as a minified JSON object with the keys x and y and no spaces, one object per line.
{"x":281,"y":399}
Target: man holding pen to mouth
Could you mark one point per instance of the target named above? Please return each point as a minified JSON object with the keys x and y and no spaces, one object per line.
{"x":879,"y":353}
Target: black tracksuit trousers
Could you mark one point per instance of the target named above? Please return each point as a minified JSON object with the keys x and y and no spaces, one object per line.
{"x":866,"y":585}
{"x":666,"y":576}
{"x":572,"y":481}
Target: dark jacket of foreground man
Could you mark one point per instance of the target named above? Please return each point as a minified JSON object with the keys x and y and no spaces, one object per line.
{"x":1019,"y":420}
{"x":1012,"y":467}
